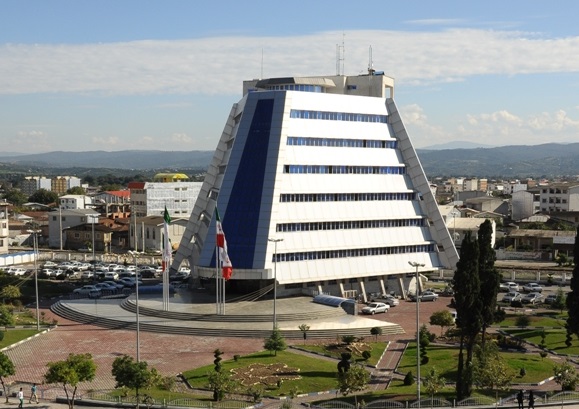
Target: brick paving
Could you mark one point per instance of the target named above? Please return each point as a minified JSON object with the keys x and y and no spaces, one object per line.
{"x":172,"y":354}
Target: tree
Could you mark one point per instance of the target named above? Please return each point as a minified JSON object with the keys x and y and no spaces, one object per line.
{"x":344,"y":364}
{"x":376,"y":331}
{"x":559,"y":302}
{"x":490,"y":370}
{"x":16,"y":197}
{"x":134,"y":375}
{"x":220,"y":383}
{"x":76,"y":190}
{"x":70,"y":372}
{"x":443,"y":319}
{"x":566,"y":376}
{"x":44,"y":196}
{"x":354,"y":380}
{"x":304,"y":328}
{"x":466,"y":284}
{"x":489,"y":276}
{"x":10,"y":292}
{"x":275,"y":342}
{"x":433,"y":382}
{"x":6,"y":317}
{"x":573,"y":296}
{"x":6,"y":369}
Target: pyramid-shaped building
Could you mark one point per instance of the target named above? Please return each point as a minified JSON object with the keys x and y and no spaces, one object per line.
{"x":317,"y":183}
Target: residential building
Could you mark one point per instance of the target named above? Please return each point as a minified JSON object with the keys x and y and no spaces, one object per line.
{"x":61,"y":220}
{"x":60,"y":184}
{"x":319,"y":188}
{"x":4,"y":227}
{"x":525,"y":203}
{"x":560,"y":197}
{"x":83,"y":236}
{"x":75,"y":202}
{"x":488,"y":204}
{"x":113,"y":196}
{"x":151,"y":198}
{"x":31,"y":184}
{"x":150,"y":235}
{"x":460,"y":226}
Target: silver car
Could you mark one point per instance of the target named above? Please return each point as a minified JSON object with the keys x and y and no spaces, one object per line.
{"x":375,"y":308}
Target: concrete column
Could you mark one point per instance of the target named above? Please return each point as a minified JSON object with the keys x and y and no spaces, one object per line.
{"x":320,"y":289}
{"x":363,"y":289}
{"x":401,"y":287}
{"x":341,"y":288}
{"x":382,"y":286}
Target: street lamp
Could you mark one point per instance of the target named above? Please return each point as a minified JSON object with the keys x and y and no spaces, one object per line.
{"x":417,"y":295}
{"x":135,"y":254}
{"x":35,"y":248}
{"x":275,"y":241}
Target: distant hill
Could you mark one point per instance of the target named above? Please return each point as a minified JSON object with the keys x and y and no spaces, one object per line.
{"x":548,"y":160}
{"x":137,"y":159}
{"x":456,"y":145}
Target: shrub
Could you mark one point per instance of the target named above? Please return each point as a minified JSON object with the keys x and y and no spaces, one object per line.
{"x":522,"y":372}
{"x":409,"y":379}
{"x":366,"y":355}
{"x":348,"y":339}
{"x":236,"y":357}
{"x":523,"y":321}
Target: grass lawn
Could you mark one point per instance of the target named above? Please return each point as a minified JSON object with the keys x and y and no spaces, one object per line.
{"x":554,"y":320}
{"x":14,"y":335}
{"x":554,"y":339}
{"x":377,"y":351}
{"x":445,"y":360}
{"x":316,"y":374}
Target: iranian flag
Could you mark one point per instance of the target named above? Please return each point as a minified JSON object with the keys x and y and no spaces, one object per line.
{"x":226,"y":267}
{"x":166,"y":243}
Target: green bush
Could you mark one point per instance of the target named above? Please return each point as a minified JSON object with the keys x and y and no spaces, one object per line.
{"x":409,"y":379}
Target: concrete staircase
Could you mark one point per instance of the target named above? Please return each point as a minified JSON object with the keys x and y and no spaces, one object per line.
{"x":245,"y":326}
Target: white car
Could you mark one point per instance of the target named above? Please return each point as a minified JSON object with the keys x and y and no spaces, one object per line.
{"x":509,"y":287}
{"x":87,"y":274}
{"x":89,"y":290}
{"x":375,"y":308}
{"x":532,"y":298}
{"x":512,"y":296}
{"x":533,"y":288}
{"x":111,"y":275}
{"x":16,"y":271}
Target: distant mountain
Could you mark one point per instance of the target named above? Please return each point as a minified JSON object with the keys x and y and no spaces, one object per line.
{"x":137,"y":159}
{"x":548,"y":160}
{"x":515,"y":161}
{"x":456,"y":145}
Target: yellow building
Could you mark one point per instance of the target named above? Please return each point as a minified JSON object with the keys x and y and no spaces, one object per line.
{"x":170,"y":177}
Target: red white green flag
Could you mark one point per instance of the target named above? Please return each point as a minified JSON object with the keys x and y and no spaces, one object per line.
{"x":226,"y":266}
{"x":166,"y":243}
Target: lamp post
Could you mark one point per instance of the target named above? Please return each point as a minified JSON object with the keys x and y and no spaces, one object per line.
{"x":417,"y":295}
{"x":275,"y":241}
{"x":35,"y":248}
{"x":134,"y":254}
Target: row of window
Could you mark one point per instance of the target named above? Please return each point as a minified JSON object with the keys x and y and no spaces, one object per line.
{"x":341,"y":143}
{"x":343,"y":169}
{"x":348,"y":225}
{"x":295,"y":87}
{"x":344,"y":197}
{"x":347,"y":253}
{"x":338,"y":116}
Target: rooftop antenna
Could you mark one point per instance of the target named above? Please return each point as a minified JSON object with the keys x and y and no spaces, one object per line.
{"x":371,"y":69}
{"x":340,"y":52}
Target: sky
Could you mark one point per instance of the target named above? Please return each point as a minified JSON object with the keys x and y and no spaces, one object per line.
{"x":149,"y":74}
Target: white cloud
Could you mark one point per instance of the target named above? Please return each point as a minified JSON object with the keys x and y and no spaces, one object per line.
{"x":218,"y":65}
{"x":181,"y":138}
{"x":106,"y":141}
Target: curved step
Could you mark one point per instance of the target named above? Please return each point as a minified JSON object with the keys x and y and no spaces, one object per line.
{"x":247,"y":332}
{"x":129,"y":305}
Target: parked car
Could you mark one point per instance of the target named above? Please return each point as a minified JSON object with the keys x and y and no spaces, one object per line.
{"x":118,"y":286}
{"x":88,"y":290}
{"x":49,"y":264}
{"x":87,"y":274}
{"x":391,"y":300}
{"x":111,"y":275}
{"x":509,"y":287}
{"x":532,"y":298}
{"x":129,"y":281}
{"x":425,"y":296}
{"x":550,"y":299}
{"x":17,"y":271}
{"x":512,"y":296}
{"x":533,"y":288}
{"x":375,"y":308}
{"x":106,"y":288}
